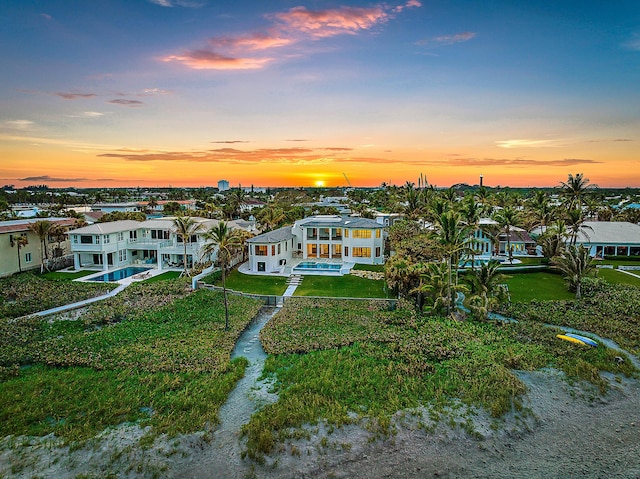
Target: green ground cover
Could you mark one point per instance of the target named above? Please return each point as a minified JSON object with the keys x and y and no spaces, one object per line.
{"x":28,"y":293}
{"x":536,"y":285}
{"x":68,"y":275}
{"x":340,"y":363}
{"x":251,"y":283}
{"x":608,"y":310}
{"x":164,"y":276}
{"x":154,"y":354}
{"x":347,"y":286}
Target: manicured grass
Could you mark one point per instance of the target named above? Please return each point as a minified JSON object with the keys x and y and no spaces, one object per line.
{"x":618,"y":277}
{"x":70,"y":275}
{"x":158,"y":356}
{"x":338,"y":363}
{"x":538,"y":285}
{"x":369,"y":267}
{"x":347,"y":286}
{"x":251,"y":283}
{"x":618,"y":262}
{"x":163,"y":276}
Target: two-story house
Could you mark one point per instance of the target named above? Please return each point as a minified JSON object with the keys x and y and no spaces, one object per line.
{"x":323,"y":237}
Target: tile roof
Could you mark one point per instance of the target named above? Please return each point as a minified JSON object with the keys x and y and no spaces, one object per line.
{"x":14,"y":226}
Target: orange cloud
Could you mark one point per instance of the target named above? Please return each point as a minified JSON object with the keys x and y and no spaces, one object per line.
{"x":328,"y":23}
{"x":256,"y":41}
{"x":208,"y":60}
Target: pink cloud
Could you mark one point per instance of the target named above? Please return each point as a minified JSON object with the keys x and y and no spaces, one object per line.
{"x":208,"y":60}
{"x":256,"y":41}
{"x":328,"y":23}
{"x":413,"y":3}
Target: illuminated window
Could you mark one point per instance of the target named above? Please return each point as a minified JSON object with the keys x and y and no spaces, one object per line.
{"x":361,"y":252}
{"x":312,"y":251}
{"x":361,"y":234}
{"x":377,"y":233}
{"x":260,"y":250}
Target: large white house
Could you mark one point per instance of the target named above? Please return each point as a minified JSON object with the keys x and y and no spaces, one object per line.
{"x":329,"y":237}
{"x":611,"y":238}
{"x":120,"y":243}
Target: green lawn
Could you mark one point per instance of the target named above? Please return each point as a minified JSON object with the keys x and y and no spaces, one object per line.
{"x":347,"y":286}
{"x":251,"y":283}
{"x":369,"y":267}
{"x":618,"y":277}
{"x":539,"y":285}
{"x":70,"y":275}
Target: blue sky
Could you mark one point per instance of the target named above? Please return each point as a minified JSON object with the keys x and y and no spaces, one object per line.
{"x":295,"y":93}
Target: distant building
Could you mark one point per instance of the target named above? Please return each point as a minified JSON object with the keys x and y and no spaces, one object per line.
{"x":223,"y":185}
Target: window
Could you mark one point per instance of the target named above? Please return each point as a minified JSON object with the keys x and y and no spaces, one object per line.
{"x":133,"y":235}
{"x":107,"y":238}
{"x":273,"y":250}
{"x":377,"y":251}
{"x":346,"y":250}
{"x":279,"y":247}
{"x":85,"y":239}
{"x":122,"y":255}
{"x":312,"y":251}
{"x":324,"y":233}
{"x":75,"y":239}
{"x":361,"y":234}
{"x":120,"y":236}
{"x":337,"y":233}
{"x":377,"y":233}
{"x":346,"y":233}
{"x":312,"y":233}
{"x":337,"y":251}
{"x":361,"y":252}
{"x":28,"y":258}
{"x":260,"y":250}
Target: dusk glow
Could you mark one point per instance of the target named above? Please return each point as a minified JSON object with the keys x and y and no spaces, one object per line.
{"x":184,"y":93}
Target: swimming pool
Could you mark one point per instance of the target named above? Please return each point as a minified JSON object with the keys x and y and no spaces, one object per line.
{"x":120,"y":274}
{"x":310,"y":266}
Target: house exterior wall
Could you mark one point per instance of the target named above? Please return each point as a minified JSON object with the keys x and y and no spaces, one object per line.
{"x":270,"y":257}
{"x":30,"y":254}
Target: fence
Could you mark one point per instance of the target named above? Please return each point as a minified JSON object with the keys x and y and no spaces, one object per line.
{"x":273,"y":300}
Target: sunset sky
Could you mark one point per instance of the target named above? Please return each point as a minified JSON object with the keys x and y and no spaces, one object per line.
{"x":299,"y":93}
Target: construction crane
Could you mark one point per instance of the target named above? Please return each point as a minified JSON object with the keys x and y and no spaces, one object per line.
{"x":348,"y":182}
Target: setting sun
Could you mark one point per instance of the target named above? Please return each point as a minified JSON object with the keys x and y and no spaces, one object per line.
{"x":319,"y":183}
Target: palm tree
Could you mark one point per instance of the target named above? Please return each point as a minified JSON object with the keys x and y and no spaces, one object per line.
{"x":21,"y":241}
{"x":434,"y":286}
{"x":226,"y":241}
{"x":507,"y":218}
{"x":471,"y":215}
{"x":575,"y":189}
{"x":452,"y":236}
{"x":485,"y":284}
{"x":270,"y":218}
{"x":575,"y":221}
{"x":574,"y":264}
{"x":185,"y":227}
{"x":237,"y":198}
{"x":42,"y":228}
{"x":553,"y":241}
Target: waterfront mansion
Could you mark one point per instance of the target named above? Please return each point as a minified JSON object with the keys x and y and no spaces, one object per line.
{"x":327,"y":237}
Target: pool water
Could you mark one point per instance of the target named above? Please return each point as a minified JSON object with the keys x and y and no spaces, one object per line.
{"x":120,"y":274}
{"x":313,"y":266}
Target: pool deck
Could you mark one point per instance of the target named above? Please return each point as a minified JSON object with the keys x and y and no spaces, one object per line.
{"x":288,"y":270}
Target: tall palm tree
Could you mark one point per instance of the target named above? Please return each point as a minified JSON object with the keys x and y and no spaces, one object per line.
{"x":434,"y":286}
{"x":471,"y":215}
{"x":574,"y":264}
{"x":575,"y":222}
{"x":507,"y":218}
{"x":227,"y":242}
{"x":575,"y":189}
{"x":452,"y":237}
{"x":237,"y":198}
{"x":42,"y":228}
{"x":185,"y":227}
{"x":20,"y":242}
